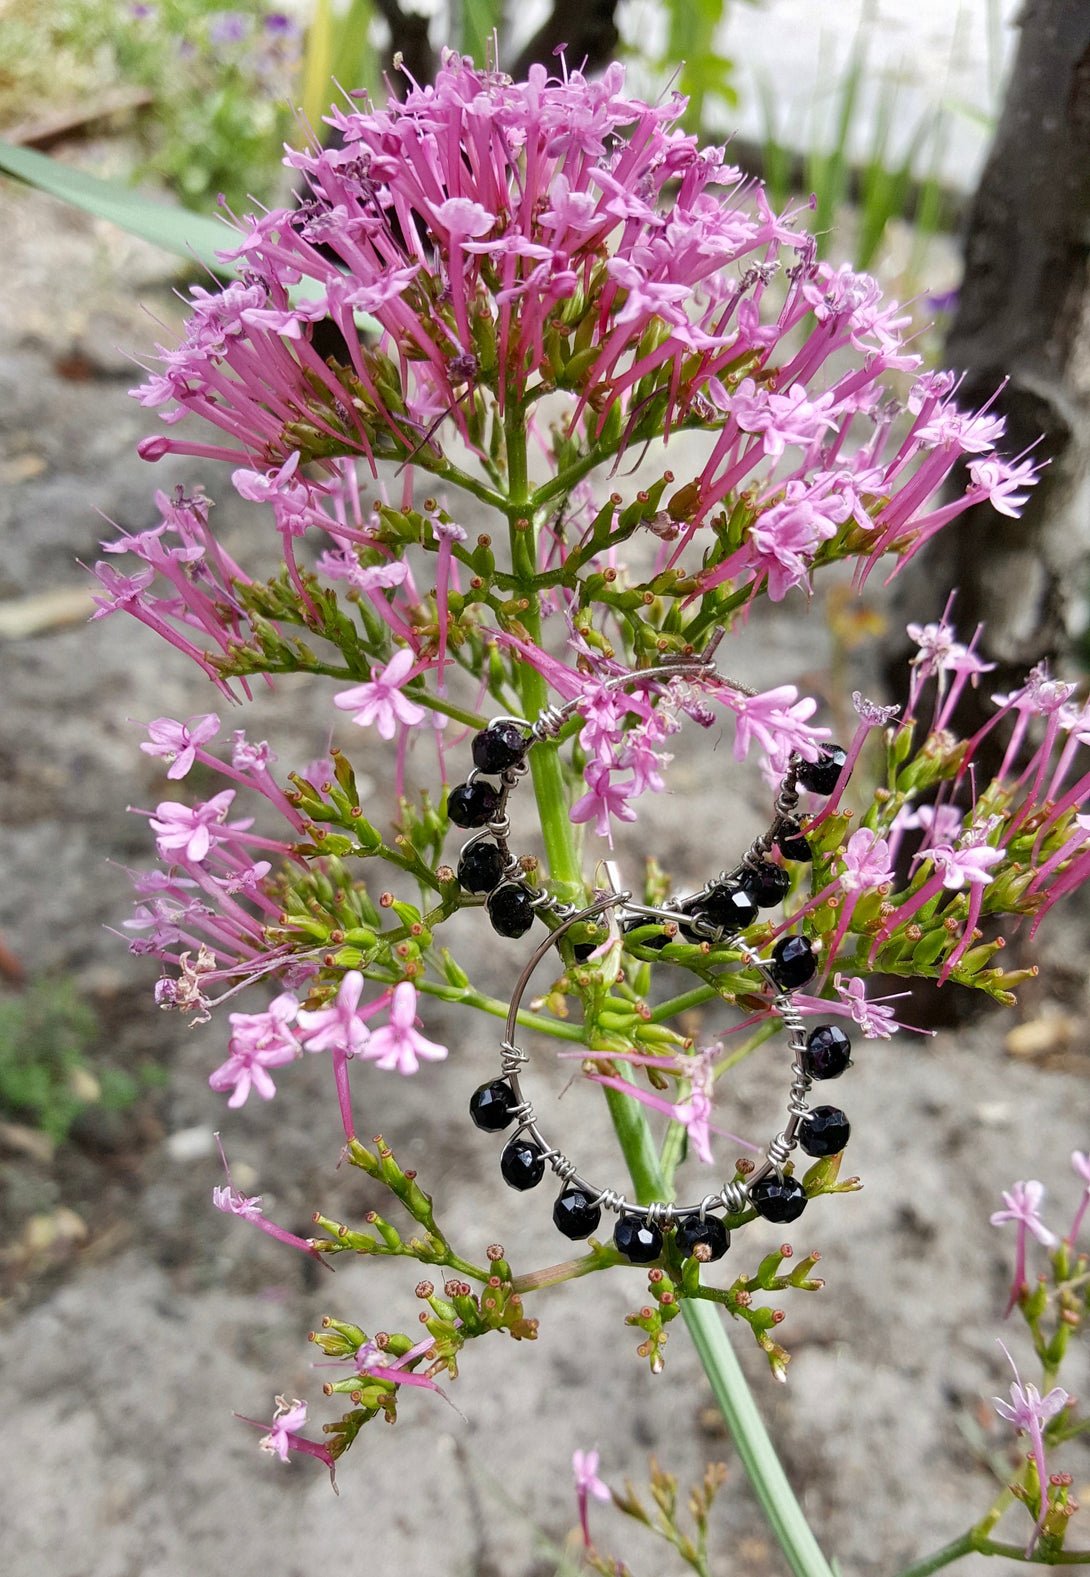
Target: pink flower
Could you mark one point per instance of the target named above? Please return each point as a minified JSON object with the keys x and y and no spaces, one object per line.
{"x":288,"y":1418}
{"x":260,"y":1041}
{"x":1081,"y":1162}
{"x":604,"y":798}
{"x":339,"y":1027}
{"x":1000,"y":480}
{"x":866,"y":862}
{"x":776,"y":719}
{"x":282,"y":1435}
{"x":380,"y":700}
{"x":179,"y":741}
{"x":1023,"y":1202}
{"x":585,"y":1468}
{"x":1029,"y":1411}
{"x":234,"y":1203}
{"x":185,"y":831}
{"x":965,"y":865}
{"x":398,"y":1045}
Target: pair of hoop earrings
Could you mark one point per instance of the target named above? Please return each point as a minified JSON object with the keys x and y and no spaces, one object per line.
{"x":717,"y":913}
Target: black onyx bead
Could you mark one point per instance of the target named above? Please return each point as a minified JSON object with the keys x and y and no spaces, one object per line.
{"x":828,"y":1052}
{"x":480,"y":868}
{"x":637,"y":1239}
{"x":473,"y":804}
{"x":824,"y":1131}
{"x":729,"y":906}
{"x":778,"y":1199}
{"x":767,"y":884}
{"x":575,"y":1213}
{"x":821,"y":776}
{"x":793,"y":962}
{"x":510,"y":910}
{"x":498,"y":747}
{"x":711,"y":1232}
{"x":491,"y":1105}
{"x":791,"y":843}
{"x":522,"y":1164}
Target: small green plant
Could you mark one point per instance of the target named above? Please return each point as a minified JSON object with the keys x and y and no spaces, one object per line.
{"x":46,"y":1078}
{"x":220,"y":82}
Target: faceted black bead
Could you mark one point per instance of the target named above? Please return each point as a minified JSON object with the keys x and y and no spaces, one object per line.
{"x":767,"y":884}
{"x":522,"y":1164}
{"x":637,"y":1239}
{"x":791,"y":843}
{"x":821,"y":776}
{"x":793,"y":962}
{"x":824,"y":1131}
{"x":490,"y":1105}
{"x":575,"y":1214}
{"x":728,"y":905}
{"x":510,"y":910}
{"x":498,"y":747}
{"x":778,"y":1200}
{"x":828,"y":1052}
{"x":472,"y":804}
{"x":480,"y":868}
{"x":711,"y":1231}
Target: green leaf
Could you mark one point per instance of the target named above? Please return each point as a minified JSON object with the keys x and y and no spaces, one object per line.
{"x":479,"y":18}
{"x":176,"y":230}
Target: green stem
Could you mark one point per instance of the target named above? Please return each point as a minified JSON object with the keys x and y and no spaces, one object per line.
{"x":548,"y":778}
{"x":953,"y":1551}
{"x":763,"y":1467}
{"x":976,"y":1543}
{"x":569,"y":1270}
{"x":681,"y":1004}
{"x":466,"y":996}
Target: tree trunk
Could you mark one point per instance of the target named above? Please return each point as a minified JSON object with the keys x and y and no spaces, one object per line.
{"x":1024,"y":316}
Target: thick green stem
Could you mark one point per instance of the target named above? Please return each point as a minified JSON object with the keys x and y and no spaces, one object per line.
{"x":548,"y":778}
{"x":949,"y":1552}
{"x":974,"y":1542}
{"x":762,"y":1465}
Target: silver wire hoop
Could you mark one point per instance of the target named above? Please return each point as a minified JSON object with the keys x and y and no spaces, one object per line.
{"x":717,"y":913}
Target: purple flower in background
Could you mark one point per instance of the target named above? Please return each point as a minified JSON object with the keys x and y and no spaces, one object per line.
{"x":1023,"y":1202}
{"x":227,"y":27}
{"x":587,"y":1483}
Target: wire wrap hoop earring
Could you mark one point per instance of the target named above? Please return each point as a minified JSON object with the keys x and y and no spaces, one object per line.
{"x":718,"y":912}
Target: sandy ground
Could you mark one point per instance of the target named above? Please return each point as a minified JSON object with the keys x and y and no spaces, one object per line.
{"x":122,"y":1360}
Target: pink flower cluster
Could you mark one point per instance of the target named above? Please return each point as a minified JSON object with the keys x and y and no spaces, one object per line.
{"x":520,"y":238}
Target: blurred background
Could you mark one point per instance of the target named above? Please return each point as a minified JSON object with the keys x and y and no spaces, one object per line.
{"x":133,"y":1318}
